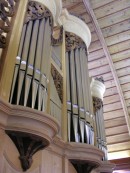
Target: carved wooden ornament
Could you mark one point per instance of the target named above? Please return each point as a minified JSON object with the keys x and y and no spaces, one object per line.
{"x":7,"y":9}
{"x":59,"y":40}
{"x":36,"y":10}
{"x":27,"y":145}
{"x":73,"y":42}
{"x":58,"y":81}
{"x":97,"y":103}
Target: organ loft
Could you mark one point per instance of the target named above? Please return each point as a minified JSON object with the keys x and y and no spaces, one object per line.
{"x":51,"y":112}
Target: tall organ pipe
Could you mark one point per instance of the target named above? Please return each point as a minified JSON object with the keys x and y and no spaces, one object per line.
{"x":18,"y":60}
{"x":69,"y":114}
{"x":31,"y":74}
{"x":23,"y":64}
{"x":78,"y":97}
{"x":80,"y":94}
{"x":98,"y":89}
{"x":74,"y":95}
{"x":31,"y":59}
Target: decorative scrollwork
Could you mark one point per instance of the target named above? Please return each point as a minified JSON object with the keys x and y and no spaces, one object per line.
{"x":58,"y":81}
{"x":73,"y":42}
{"x":2,"y":40}
{"x":7,"y":9}
{"x":97,"y":103}
{"x":27,"y":146}
{"x":59,"y":40}
{"x":36,"y":10}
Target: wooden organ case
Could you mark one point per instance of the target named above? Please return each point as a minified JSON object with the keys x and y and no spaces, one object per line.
{"x":49,"y":98}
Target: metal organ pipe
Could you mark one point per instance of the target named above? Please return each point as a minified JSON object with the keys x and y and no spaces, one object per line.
{"x":97,"y":130}
{"x":45,"y":67}
{"x":80,"y":94}
{"x":69,"y":114}
{"x":104,"y":145}
{"x":89,"y":111}
{"x":79,"y":121}
{"x":23,"y":64}
{"x":83,"y":77}
{"x":18,"y":60}
{"x":79,"y":86}
{"x":31,"y":74}
{"x":98,"y":89}
{"x":74,"y":95}
{"x":31,"y":59}
{"x":37,"y":65}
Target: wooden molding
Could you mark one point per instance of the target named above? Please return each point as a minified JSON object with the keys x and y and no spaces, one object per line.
{"x":122,"y":164}
{"x":27,"y":120}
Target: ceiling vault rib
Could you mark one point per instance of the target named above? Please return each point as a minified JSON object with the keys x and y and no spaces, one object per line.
{"x":108,"y":56}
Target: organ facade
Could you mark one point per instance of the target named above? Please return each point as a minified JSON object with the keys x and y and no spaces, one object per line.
{"x":51,"y":112}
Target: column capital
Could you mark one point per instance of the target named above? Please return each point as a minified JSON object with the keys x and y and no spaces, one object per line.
{"x":76,"y":26}
{"x":97,"y":88}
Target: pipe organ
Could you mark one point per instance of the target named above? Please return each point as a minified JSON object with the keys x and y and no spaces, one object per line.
{"x":32,"y":68}
{"x":80,"y":121}
{"x":98,"y":89}
{"x":51,"y":100}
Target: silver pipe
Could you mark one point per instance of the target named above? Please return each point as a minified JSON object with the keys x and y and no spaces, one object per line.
{"x":46,"y":50}
{"x":74,"y":96}
{"x":83,"y":81}
{"x":37,"y":72}
{"x":23,"y":64}
{"x":73,"y":83}
{"x":21,"y":45}
{"x":33,"y":46}
{"x":39,"y":49}
{"x":79,"y":84}
{"x":86,"y":85}
{"x":45,"y":59}
{"x":68,"y":82}
{"x":26,"y":46}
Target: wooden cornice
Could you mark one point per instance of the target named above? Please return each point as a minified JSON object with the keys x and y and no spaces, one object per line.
{"x":108,"y":56}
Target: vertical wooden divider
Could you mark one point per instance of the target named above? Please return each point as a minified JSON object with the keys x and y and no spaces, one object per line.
{"x":49,"y":86}
{"x":8,"y":67}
